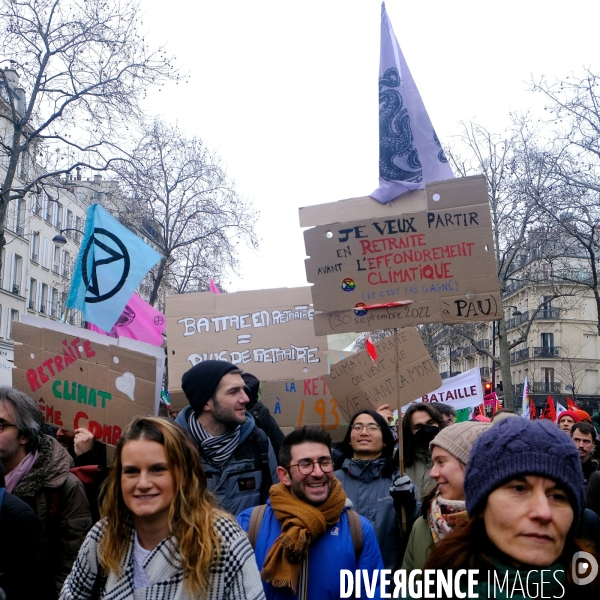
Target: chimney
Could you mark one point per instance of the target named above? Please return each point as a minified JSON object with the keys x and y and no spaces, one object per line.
{"x":97,"y":178}
{"x":78,"y":173}
{"x":12,"y":78}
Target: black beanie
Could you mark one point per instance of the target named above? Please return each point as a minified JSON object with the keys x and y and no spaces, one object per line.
{"x":201,"y":381}
{"x":252,"y":388}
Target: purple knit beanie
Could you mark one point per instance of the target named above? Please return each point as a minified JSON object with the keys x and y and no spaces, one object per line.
{"x":516,"y":447}
{"x":201,"y":381}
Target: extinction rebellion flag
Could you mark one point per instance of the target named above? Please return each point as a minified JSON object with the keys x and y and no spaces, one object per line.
{"x":111,"y":264}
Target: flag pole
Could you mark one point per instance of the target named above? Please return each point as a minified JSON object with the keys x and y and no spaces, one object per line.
{"x":399,"y":421}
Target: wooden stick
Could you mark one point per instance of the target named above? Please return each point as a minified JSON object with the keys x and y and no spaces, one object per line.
{"x":399,"y":422}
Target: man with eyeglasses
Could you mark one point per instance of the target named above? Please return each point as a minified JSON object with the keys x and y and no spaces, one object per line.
{"x":584,"y":435}
{"x":237,"y":456}
{"x":305,"y":534}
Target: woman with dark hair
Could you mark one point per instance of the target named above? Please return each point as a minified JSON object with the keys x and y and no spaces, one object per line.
{"x":370,"y":478}
{"x":420,"y":424}
{"x":160,"y":529}
{"x":524,"y":497}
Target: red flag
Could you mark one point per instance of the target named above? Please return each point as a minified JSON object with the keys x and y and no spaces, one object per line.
{"x":571,"y":405}
{"x":549,"y":410}
{"x":532,"y":409}
{"x":371,"y":350}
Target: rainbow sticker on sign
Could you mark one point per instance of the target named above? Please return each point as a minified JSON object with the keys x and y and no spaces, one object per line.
{"x":360,"y":309}
{"x":348,"y":285}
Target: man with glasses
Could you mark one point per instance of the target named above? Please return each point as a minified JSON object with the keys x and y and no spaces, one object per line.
{"x":306,"y":533}
{"x":37,"y":471}
{"x":237,"y":456}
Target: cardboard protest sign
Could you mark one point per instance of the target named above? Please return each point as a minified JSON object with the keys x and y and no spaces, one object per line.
{"x":294,"y":403}
{"x":358,"y":382}
{"x":462,"y":391}
{"x":84,"y":379}
{"x":266,"y":332}
{"x":436,"y":249}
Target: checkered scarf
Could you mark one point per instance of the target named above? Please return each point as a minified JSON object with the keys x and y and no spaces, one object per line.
{"x":215,"y":449}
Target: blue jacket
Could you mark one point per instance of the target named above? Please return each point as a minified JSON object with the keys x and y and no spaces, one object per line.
{"x":238,"y":483}
{"x":327,"y":554}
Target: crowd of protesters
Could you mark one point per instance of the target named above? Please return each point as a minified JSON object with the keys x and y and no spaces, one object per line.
{"x":219,"y":504}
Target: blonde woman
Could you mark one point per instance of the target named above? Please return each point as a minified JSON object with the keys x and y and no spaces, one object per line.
{"x":161,"y":535}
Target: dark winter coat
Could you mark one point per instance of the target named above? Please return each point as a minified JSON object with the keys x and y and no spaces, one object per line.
{"x":62,"y":508}
{"x":22,"y":545}
{"x":370,"y":495}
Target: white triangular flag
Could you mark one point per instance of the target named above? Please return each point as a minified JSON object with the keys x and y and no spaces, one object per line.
{"x":410,"y":153}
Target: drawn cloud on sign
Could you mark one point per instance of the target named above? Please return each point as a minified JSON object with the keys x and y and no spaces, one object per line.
{"x":126,"y":384}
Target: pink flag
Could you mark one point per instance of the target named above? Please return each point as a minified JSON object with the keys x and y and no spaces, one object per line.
{"x":213,"y":286}
{"x":139,"y":321}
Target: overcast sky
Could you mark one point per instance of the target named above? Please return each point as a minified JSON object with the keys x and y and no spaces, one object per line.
{"x":286,"y":92}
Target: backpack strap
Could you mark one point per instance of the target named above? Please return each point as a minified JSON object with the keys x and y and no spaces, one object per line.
{"x":355,"y":531}
{"x":260,"y":448}
{"x":256,"y":517}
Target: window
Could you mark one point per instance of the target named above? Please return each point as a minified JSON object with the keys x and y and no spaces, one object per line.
{"x":32,"y":293}
{"x":48,"y":206}
{"x":548,"y":375}
{"x":44,"y":298}
{"x":19,"y":215}
{"x":52,"y":304}
{"x":65,"y":264}
{"x":78,"y":225}
{"x":547,"y":340}
{"x":14,"y":316}
{"x":69,"y":224}
{"x":16,"y":274}
{"x":55,"y":259}
{"x":58,"y":214}
{"x":35,"y":247}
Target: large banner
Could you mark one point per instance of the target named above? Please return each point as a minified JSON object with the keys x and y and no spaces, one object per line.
{"x":435,"y":249}
{"x":461,"y":391}
{"x":268,"y":333}
{"x":358,"y":382}
{"x":85,"y":379}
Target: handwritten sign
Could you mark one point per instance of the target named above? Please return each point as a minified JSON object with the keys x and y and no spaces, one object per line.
{"x":357,"y":382}
{"x":441,"y":257}
{"x":294,"y":403}
{"x":84,"y":379}
{"x":269,"y":333}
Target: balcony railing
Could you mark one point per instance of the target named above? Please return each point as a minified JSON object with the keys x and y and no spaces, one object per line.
{"x":31,"y":305}
{"x":546,"y":387}
{"x":544,"y":352}
{"x":519,"y":355}
{"x":19,"y":230}
{"x":485,"y":371}
{"x":15,"y":290}
{"x":444,"y":374}
{"x":34,"y":258}
{"x":55,"y":269}
{"x":42,"y":308}
{"x":549,"y":313}
{"x":484,"y":344}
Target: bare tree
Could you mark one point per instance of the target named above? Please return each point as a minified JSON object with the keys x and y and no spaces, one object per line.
{"x":523,"y":241}
{"x":178,"y":193}
{"x":75,"y":73}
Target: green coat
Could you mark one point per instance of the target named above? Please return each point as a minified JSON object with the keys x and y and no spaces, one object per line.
{"x":420,"y":545}
{"x":419,"y":472}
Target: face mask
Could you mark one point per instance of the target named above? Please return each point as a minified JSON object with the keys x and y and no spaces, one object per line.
{"x":425,"y":434}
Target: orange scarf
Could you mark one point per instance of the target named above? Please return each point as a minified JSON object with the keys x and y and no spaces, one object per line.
{"x":301,"y":523}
